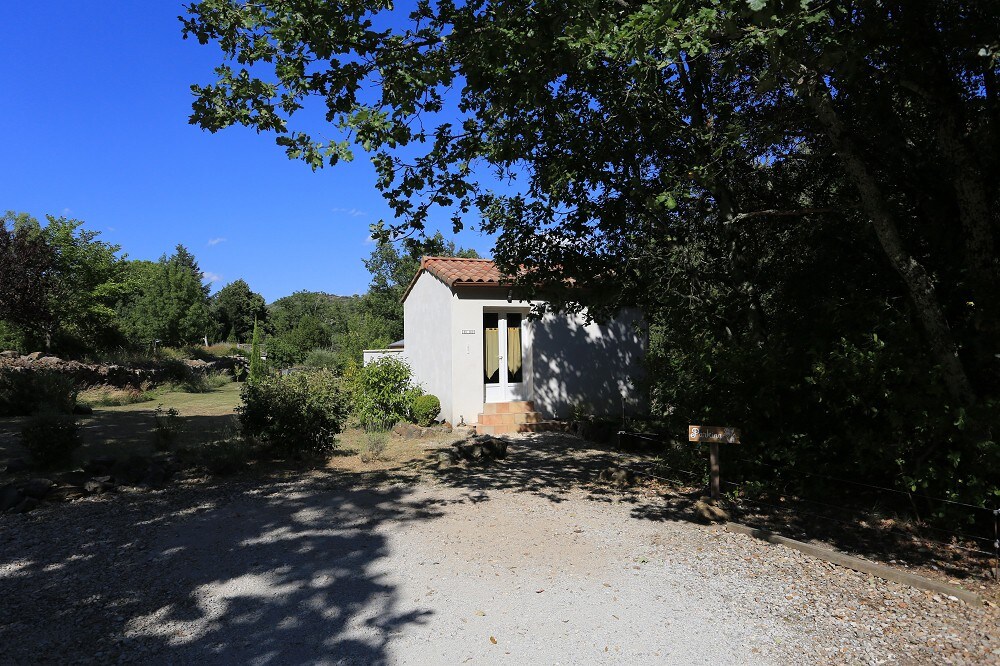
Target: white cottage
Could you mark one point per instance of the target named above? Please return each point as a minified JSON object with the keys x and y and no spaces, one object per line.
{"x":472,"y":345}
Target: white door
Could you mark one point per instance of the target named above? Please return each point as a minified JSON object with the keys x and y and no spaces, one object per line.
{"x":503,"y":358}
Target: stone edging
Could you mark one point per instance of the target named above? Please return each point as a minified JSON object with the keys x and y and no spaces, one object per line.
{"x":858,"y":564}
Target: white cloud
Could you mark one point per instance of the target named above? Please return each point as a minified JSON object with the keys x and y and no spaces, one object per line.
{"x":216,"y":241}
{"x":65,"y":211}
{"x":351,"y":212}
{"x":211,"y":277}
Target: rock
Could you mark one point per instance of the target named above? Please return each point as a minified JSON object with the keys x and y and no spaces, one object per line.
{"x":83,"y":410}
{"x":34,"y":356}
{"x":130,"y":471}
{"x":10,"y":497}
{"x":708,"y":511}
{"x":9,"y":353}
{"x":617,"y":476}
{"x":26,"y":505}
{"x":75,"y":478}
{"x":408,"y":431}
{"x":99,"y":465}
{"x":156,"y":476}
{"x":446,"y":458}
{"x":96,"y":487}
{"x":37,"y":488}
{"x":66,"y":493}
{"x":16,"y":465}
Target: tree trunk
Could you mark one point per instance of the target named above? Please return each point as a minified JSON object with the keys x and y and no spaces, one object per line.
{"x":918,"y":282}
{"x":973,"y":203}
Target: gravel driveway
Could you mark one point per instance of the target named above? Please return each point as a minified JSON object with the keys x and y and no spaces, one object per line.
{"x":322,"y":569}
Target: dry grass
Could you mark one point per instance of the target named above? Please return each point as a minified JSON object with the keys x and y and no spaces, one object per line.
{"x":352,"y":450}
{"x":112,"y":396}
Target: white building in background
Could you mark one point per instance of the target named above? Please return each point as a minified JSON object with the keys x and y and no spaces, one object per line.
{"x":474,"y":347}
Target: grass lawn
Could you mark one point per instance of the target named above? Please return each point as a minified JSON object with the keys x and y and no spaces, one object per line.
{"x":122,"y":431}
{"x":128,"y":430}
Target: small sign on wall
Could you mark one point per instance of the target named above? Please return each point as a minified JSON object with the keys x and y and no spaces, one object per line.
{"x":468,"y":331}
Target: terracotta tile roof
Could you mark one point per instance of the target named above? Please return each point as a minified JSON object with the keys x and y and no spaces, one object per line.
{"x":458,"y":272}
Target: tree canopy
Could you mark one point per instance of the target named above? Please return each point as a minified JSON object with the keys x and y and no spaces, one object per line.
{"x":234,"y":309}
{"x":801,"y":195}
{"x":59,"y":282}
{"x":171,"y":306}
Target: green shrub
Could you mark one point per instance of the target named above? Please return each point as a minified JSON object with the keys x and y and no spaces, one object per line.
{"x":175,"y":370}
{"x":426,"y":409}
{"x":295,"y":413}
{"x":166,"y":428}
{"x":204,"y":382}
{"x":322,"y":358}
{"x":50,"y":438}
{"x":375,"y":443}
{"x":383,"y":393}
{"x":24,"y":392}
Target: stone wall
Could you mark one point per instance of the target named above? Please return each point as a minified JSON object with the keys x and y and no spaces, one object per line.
{"x":112,"y":374}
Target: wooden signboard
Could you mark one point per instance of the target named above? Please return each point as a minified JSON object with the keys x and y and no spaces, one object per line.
{"x":724,"y":434}
{"x":713,"y":435}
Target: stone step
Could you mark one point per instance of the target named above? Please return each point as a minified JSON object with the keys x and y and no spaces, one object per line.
{"x":512,"y":407}
{"x":510,"y":418}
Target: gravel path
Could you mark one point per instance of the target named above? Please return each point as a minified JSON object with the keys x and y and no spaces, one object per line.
{"x":322,"y":570}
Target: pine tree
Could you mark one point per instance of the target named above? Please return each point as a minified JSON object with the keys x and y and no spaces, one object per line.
{"x":257,"y":369}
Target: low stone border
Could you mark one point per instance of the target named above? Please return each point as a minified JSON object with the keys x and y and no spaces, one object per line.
{"x":858,"y":564}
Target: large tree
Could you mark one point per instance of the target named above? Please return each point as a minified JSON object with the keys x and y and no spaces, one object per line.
{"x":234,"y":309}
{"x":172,"y":305}
{"x":60,"y":282}
{"x":27,"y":263}
{"x":801,"y":193}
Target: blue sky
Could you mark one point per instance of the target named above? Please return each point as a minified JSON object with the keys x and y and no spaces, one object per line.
{"x":95,"y":127}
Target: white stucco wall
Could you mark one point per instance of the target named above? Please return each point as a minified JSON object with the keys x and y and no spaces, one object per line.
{"x":566,"y":361}
{"x":427,"y":325}
{"x":594,"y":365}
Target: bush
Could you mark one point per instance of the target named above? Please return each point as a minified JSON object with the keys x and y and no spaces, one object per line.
{"x":295,"y":413}
{"x":426,"y":409}
{"x":166,"y":428}
{"x":375,"y":443}
{"x":24,"y":392}
{"x":204,"y":382}
{"x":383,"y":393}
{"x":322,"y":358}
{"x":50,"y":438}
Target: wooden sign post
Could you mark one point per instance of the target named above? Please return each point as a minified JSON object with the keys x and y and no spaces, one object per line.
{"x":713,"y":435}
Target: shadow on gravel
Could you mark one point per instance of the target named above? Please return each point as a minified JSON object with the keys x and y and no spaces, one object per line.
{"x":257,"y":572}
{"x":552,"y":465}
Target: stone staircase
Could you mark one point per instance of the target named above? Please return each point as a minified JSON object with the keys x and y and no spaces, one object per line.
{"x":504,"y":418}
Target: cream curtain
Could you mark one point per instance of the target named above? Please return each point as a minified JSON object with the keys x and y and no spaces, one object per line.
{"x":492,"y":351}
{"x":514,"y":351}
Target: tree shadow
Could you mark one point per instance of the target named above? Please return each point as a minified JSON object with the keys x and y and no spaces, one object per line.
{"x":557,"y":467}
{"x":595,"y":367}
{"x":269,"y":572}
